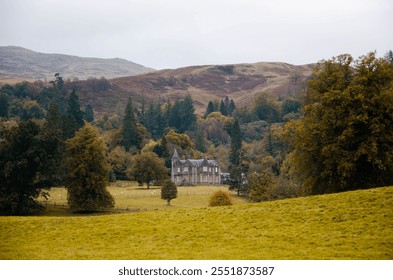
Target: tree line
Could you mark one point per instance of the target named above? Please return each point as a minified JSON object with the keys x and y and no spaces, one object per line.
{"x":334,"y":136}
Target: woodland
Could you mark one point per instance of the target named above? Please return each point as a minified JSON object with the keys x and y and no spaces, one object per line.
{"x":334,"y":135}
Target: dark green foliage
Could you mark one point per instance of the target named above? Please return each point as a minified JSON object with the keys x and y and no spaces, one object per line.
{"x":168,"y":191}
{"x":345,"y":140}
{"x":182,"y":115}
{"x":223,"y":108}
{"x":290,"y":106}
{"x":236,"y":144}
{"x":231,"y":107}
{"x":209,"y":109}
{"x":266,"y":109}
{"x":236,"y":168}
{"x":89,"y":113}
{"x":87,"y":170}
{"x":73,"y":119}
{"x":129,"y":128}
{"x":23,"y":165}
{"x":4,"y":105}
{"x":220,"y":198}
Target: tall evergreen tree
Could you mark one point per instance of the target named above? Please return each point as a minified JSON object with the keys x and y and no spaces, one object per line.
{"x":88,"y":170}
{"x":187,"y":114}
{"x":4,"y":105}
{"x":129,"y":128}
{"x":235,"y":161}
{"x":231,"y":107}
{"x":73,"y":120}
{"x":223,"y":108}
{"x":209,"y":109}
{"x":89,"y":113}
{"x":22,"y":168}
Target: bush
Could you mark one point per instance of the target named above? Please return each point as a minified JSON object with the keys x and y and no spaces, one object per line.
{"x":220,"y":198}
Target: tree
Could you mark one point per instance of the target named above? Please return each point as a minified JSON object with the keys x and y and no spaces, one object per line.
{"x":89,"y":113}
{"x":209,"y":109}
{"x":73,"y":120}
{"x":22,"y":168}
{"x":4,"y":105}
{"x":235,"y":165}
{"x":147,"y":167}
{"x":168,"y":191}
{"x":261,"y":186}
{"x":345,"y":139}
{"x":265,"y":108}
{"x":231,"y":107}
{"x":223,"y":108}
{"x":87,"y":169}
{"x":129,"y":128}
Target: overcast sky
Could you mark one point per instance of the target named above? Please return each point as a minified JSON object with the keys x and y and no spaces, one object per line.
{"x":176,"y":33}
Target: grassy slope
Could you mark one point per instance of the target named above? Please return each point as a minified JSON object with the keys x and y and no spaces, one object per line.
{"x":352,"y":225}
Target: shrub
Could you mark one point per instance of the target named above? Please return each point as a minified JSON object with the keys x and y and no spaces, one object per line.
{"x":220,"y":198}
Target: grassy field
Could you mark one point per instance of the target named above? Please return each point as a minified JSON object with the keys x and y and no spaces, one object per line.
{"x":129,"y":197}
{"x":351,"y":225}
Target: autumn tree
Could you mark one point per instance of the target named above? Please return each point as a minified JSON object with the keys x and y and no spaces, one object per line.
{"x":261,"y":186}
{"x":147,"y":167}
{"x":168,"y":191}
{"x":345,"y":139}
{"x":87,"y":169}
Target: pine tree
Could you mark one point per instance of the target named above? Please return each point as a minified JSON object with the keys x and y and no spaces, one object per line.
{"x":168,"y":191}
{"x":22,"y":168}
{"x":231,"y":107}
{"x":129,"y":128}
{"x":88,"y":170}
{"x":74,"y":116}
{"x":89,"y":113}
{"x":209,"y":109}
{"x":4,"y":105}
{"x":223,"y":108}
{"x":187,"y":114}
{"x":235,"y":165}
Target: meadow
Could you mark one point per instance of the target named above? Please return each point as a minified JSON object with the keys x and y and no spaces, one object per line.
{"x":350,"y":225}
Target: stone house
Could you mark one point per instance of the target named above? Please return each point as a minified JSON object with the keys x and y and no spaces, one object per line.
{"x":194,"y":171}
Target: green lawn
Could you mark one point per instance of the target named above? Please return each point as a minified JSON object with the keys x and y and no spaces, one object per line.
{"x":351,"y":225}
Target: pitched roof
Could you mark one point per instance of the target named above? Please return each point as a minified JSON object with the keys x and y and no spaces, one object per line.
{"x":175,"y":155}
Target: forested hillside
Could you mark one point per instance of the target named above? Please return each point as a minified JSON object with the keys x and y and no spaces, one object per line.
{"x":326,"y":131}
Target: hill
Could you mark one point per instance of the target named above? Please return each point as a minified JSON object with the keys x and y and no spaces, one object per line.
{"x":350,"y":225}
{"x":17,"y":62}
{"x":204,"y":83}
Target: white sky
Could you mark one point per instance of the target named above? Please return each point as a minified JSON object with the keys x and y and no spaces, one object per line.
{"x":177,"y":33}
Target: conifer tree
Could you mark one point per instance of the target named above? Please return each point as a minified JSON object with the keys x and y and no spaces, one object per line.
{"x":129,"y":128}
{"x":209,"y":109}
{"x":88,"y":170}
{"x":4,"y":105}
{"x":168,"y":191}
{"x":89,"y":113}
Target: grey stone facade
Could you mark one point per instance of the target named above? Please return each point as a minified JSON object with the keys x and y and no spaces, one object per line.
{"x":194,"y":171}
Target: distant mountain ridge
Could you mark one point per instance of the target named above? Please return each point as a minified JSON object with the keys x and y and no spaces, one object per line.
{"x":18,"y":62}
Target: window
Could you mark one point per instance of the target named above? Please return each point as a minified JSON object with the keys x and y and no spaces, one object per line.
{"x":178,"y":170}
{"x":216,"y":169}
{"x":204,"y":169}
{"x":185,"y":169}
{"x":210,"y":169}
